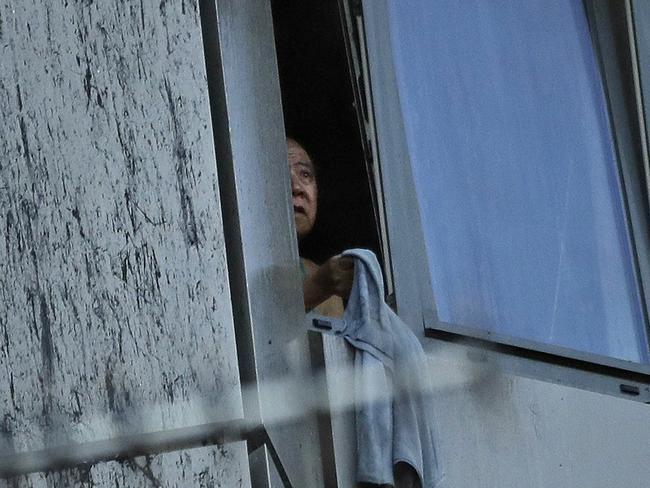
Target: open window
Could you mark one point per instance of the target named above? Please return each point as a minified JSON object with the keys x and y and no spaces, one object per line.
{"x":510,"y":140}
{"x":322,"y":111}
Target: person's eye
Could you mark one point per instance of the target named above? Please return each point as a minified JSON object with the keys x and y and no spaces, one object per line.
{"x":307,"y":175}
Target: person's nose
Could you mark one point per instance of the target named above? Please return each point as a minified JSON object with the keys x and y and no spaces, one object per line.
{"x":296,"y":187}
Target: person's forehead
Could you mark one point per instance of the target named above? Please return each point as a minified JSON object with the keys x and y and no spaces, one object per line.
{"x":301,"y":164}
{"x":298,"y":155}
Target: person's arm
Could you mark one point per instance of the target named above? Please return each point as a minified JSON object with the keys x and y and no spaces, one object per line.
{"x":333,"y":277}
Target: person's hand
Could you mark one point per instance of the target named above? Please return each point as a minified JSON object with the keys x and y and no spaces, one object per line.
{"x":335,"y":276}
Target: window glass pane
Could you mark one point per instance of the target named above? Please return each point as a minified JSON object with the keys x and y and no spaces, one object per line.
{"x":516,"y":172}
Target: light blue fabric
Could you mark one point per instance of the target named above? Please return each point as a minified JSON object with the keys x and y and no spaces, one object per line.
{"x":389,"y":367}
{"x":516,"y":173}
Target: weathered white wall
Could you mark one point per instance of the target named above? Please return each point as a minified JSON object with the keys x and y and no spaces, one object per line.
{"x":207,"y":467}
{"x":503,"y":430}
{"x":115,"y":313}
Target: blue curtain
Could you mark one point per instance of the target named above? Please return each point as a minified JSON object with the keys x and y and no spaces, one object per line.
{"x":516,"y":173}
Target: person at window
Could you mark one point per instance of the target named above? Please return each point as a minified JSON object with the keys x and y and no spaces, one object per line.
{"x":324,"y":286}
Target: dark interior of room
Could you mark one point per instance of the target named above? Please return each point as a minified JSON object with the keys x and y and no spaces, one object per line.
{"x":319,"y":111}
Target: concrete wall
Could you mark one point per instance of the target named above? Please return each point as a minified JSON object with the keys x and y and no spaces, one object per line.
{"x":207,"y":467}
{"x":502,"y":429}
{"x":115,"y":311}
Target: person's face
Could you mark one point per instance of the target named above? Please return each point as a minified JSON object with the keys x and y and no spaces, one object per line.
{"x":304,"y":191}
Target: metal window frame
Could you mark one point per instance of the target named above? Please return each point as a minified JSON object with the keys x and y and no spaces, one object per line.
{"x":353,"y":37}
{"x":624,"y":104}
{"x":638,"y":172}
{"x":264,"y":275}
{"x":639,"y":52}
{"x":413,"y":289}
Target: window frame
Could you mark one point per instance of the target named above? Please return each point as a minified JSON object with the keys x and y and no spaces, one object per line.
{"x":263,"y":272}
{"x":413,"y":289}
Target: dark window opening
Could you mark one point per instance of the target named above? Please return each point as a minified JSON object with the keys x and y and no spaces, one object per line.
{"x":320,"y":112}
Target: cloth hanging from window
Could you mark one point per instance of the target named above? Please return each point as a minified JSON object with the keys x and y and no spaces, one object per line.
{"x":394,"y":415}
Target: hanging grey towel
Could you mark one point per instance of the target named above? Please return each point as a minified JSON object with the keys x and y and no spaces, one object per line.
{"x":393,"y":409}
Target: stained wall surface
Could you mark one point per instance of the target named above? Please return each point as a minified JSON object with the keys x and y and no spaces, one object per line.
{"x":115,"y":312}
{"x":207,"y":467}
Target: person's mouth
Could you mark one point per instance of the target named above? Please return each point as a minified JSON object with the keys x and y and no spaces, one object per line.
{"x":299,"y":209}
